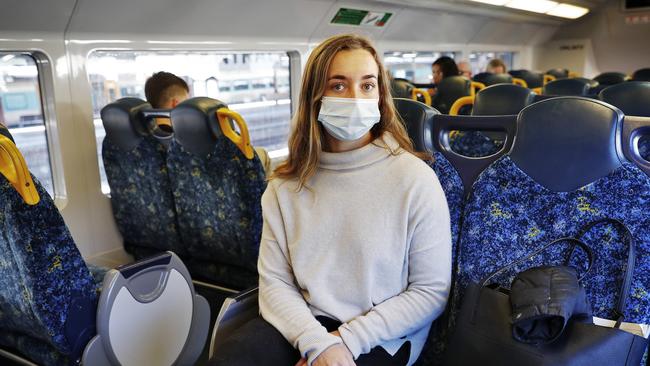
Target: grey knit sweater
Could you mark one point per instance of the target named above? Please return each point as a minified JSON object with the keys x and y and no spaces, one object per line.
{"x":368,"y":243}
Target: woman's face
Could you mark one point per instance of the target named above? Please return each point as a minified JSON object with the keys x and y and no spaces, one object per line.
{"x":437,"y":74}
{"x":353,"y":74}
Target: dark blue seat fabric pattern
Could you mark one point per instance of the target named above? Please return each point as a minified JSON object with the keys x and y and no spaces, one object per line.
{"x":218,"y":203}
{"x":452,"y":185}
{"x":644,"y":147}
{"x":41,"y":272}
{"x":509,"y":215}
{"x":141,"y":197}
{"x":474,"y":144}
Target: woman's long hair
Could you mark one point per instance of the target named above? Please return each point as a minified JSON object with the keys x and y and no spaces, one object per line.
{"x":307,"y":136}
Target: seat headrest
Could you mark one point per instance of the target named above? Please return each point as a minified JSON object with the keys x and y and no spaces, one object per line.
{"x":567,"y":142}
{"x":634,"y":130}
{"x":567,"y":87}
{"x":641,"y":75}
{"x":502,"y":99}
{"x":401,"y":88}
{"x":611,"y":78}
{"x":633,"y":98}
{"x":196,"y":126}
{"x":489,"y":78}
{"x":533,"y":79}
{"x":450,"y":89}
{"x":559,"y":73}
{"x":592,"y":83}
{"x":418,"y":119}
{"x":124,"y":123}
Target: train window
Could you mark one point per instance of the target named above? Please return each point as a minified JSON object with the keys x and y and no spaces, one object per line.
{"x":480,"y":60}
{"x":413,"y":66}
{"x":21,"y":110}
{"x":255,"y":84}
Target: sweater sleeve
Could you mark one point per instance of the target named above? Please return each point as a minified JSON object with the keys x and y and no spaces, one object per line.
{"x":429,"y":277}
{"x":281,"y":302}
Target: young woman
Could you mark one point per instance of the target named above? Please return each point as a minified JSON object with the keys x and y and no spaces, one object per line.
{"x":443,"y":67}
{"x":355,"y":258}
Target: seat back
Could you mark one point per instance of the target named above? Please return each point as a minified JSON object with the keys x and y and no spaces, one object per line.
{"x":489,"y":78}
{"x":558,"y":73}
{"x":636,"y":141}
{"x":149,"y":314}
{"x":235,"y":311}
{"x":566,"y":169}
{"x":136,"y":169}
{"x":533,"y":79}
{"x":401,"y":88}
{"x":47,"y":296}
{"x":450,"y":89}
{"x":641,"y":75}
{"x":217,"y":191}
{"x":633,"y":98}
{"x":611,"y":78}
{"x":567,"y":87}
{"x":501,"y":100}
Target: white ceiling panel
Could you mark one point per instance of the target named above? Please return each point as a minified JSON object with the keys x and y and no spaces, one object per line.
{"x":35,"y":15}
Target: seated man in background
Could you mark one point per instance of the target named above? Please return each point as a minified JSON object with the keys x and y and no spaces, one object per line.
{"x":165,"y":90}
{"x":465,"y":69}
{"x":496,"y":66}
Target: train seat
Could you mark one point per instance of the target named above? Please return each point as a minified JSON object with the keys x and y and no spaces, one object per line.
{"x":488,"y":78}
{"x":564,"y":170}
{"x":152,"y":302}
{"x":611,"y":78}
{"x":633,"y":98}
{"x":136,"y":170}
{"x":448,"y":91}
{"x":532,"y":79}
{"x":401,"y":88}
{"x":428,"y":129}
{"x":558,"y":73}
{"x":641,"y":75}
{"x":502,"y":99}
{"x":49,"y":299}
{"x":217,"y":186}
{"x":567,"y":87}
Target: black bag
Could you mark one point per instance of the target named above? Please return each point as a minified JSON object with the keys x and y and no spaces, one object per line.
{"x":483,"y":334}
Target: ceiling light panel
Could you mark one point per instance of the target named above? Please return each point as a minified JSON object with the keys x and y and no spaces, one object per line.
{"x":568,"y":11}
{"x":537,"y":6}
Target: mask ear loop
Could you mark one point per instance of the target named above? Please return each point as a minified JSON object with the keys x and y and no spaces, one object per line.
{"x":14,"y":168}
{"x":243,"y":142}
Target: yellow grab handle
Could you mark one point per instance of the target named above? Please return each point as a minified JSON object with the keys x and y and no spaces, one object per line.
{"x":423,"y":93}
{"x":548,"y":78}
{"x":14,"y":168}
{"x":459,"y":103}
{"x":518,"y":81}
{"x":573,"y":74}
{"x":475,"y":87}
{"x":242,"y":141}
{"x":537,"y":91}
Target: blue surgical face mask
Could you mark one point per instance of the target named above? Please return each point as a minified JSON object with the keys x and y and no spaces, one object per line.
{"x":348,"y":119}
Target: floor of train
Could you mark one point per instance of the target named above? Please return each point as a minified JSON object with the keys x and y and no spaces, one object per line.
{"x":215,"y":299}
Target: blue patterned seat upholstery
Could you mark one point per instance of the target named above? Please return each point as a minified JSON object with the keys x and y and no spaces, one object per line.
{"x":136,"y":169}
{"x":48,"y":296}
{"x":548,"y":188}
{"x":218,"y":193}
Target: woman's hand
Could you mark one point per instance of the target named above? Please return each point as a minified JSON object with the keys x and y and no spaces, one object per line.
{"x":336,"y":355}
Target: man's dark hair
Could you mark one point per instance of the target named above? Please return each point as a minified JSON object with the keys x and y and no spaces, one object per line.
{"x":159,"y":88}
{"x":447,"y":65}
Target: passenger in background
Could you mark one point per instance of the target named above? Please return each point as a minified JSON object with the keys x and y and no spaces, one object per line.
{"x":165,"y":90}
{"x":442,"y":68}
{"x":465,"y":69}
{"x":355,"y":258}
{"x":496,"y":66}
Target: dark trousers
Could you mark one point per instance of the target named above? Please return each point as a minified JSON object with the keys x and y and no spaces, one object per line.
{"x":258,"y":343}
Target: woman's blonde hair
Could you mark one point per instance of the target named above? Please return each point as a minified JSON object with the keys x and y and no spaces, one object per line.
{"x":307,"y":135}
